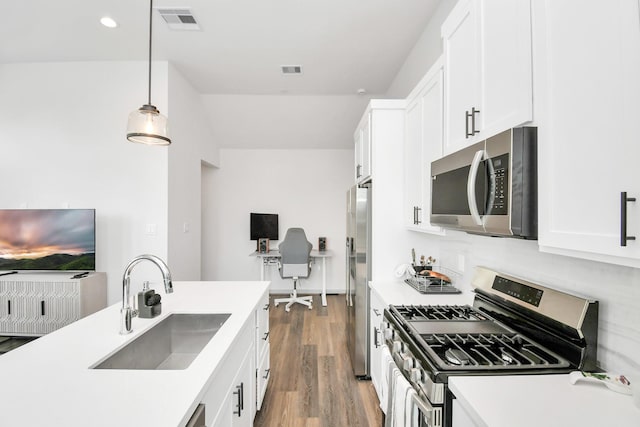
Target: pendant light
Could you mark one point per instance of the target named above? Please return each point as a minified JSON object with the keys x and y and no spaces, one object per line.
{"x":146,"y":124}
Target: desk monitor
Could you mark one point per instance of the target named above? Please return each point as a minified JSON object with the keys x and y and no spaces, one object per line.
{"x":264,"y":226}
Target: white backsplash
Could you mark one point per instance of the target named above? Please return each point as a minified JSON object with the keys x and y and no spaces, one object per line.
{"x":616,"y":288}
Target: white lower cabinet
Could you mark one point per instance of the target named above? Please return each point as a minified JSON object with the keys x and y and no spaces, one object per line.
{"x":238,"y":388}
{"x":230,"y":400}
{"x":376,"y":341}
{"x":460,"y":417}
{"x":262,"y":378}
{"x":262,"y":349}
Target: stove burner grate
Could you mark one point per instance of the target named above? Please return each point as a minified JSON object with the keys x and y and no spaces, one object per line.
{"x":439,"y":312}
{"x":489,"y":351}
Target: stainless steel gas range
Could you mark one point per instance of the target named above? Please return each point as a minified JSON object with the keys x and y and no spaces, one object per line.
{"x":513,"y":327}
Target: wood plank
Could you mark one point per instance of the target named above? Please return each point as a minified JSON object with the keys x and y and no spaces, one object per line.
{"x":308,"y":398}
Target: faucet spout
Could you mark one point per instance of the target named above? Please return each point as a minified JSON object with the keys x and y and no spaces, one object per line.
{"x":126,"y":312}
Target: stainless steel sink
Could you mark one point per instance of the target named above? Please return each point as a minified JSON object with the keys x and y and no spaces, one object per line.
{"x":170,"y":345}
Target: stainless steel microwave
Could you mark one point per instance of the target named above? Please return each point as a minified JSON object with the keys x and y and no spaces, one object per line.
{"x":489,"y":187}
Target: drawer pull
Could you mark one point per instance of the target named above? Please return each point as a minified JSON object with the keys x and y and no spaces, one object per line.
{"x":266,"y":374}
{"x":266,"y":335}
{"x":266,"y":307}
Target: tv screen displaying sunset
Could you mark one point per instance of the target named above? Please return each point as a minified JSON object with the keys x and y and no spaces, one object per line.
{"x":47,"y":239}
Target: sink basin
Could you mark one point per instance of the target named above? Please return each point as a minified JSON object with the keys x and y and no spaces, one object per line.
{"x":172,"y":344}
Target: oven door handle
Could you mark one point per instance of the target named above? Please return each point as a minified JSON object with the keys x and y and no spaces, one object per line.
{"x":425,"y":408}
{"x":471,"y":187}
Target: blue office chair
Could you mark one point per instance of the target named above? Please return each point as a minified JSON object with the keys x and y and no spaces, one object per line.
{"x":295,"y":263}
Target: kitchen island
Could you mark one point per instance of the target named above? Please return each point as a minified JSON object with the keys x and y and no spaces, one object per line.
{"x":50,"y":381}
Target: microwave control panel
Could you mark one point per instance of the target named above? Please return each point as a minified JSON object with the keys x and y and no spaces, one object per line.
{"x":500,"y":203}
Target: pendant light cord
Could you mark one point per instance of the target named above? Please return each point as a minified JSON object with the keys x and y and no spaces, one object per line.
{"x":150,"y":32}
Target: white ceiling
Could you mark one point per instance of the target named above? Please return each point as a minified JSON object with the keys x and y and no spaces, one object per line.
{"x":343,"y":45}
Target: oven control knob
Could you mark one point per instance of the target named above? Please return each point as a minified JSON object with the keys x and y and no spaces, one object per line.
{"x":415,"y":375}
{"x":389,"y":334}
{"x":397,"y":347}
{"x":408,"y":363}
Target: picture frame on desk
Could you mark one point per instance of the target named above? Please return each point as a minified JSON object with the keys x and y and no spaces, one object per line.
{"x":263,"y":245}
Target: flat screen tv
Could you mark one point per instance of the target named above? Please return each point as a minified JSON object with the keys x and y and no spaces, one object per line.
{"x":48,"y":239}
{"x":264,"y":226}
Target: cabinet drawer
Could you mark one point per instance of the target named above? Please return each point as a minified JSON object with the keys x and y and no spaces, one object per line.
{"x":263,"y":375}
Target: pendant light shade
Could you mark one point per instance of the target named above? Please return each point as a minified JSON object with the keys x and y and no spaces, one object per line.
{"x":146,"y":125}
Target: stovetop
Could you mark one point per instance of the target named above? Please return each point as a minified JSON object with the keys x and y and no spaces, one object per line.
{"x":463,"y":338}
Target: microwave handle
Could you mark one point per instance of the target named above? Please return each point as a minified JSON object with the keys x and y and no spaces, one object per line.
{"x":471,"y":187}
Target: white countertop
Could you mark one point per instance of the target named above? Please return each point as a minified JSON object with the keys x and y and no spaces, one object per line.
{"x":398,"y":292}
{"x":542,"y":400}
{"x":48,"y":381}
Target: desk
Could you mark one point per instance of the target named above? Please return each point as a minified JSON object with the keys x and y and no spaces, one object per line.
{"x":272,"y":257}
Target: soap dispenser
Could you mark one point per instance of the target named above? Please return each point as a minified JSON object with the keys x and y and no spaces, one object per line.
{"x":148,"y":302}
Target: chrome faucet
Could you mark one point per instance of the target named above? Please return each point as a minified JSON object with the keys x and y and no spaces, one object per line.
{"x":126,"y":312}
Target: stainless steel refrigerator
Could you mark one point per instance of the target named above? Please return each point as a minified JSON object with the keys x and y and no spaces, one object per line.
{"x":358,"y":276}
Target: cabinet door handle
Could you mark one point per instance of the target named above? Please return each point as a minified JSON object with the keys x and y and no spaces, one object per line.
{"x":375,"y":337}
{"x":375,"y":311}
{"x":266,"y":307}
{"x":473,"y":121}
{"x":358,"y":171}
{"x":418,"y":221}
{"x":466,"y":124}
{"x":239,"y":405}
{"x":266,"y":335}
{"x":9,"y":307}
{"x":42,"y":308}
{"x":266,"y":373}
{"x":623,"y":218}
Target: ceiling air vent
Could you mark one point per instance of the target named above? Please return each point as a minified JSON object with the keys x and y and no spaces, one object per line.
{"x":179,"y":19}
{"x":291,"y":69}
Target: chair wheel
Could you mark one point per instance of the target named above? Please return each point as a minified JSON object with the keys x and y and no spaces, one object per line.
{"x":309,"y":307}
{"x":287,"y":309}
{"x":276,"y":303}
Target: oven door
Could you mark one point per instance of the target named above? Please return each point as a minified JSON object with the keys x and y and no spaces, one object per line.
{"x":460,"y":189}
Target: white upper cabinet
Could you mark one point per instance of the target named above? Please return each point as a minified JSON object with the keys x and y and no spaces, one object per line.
{"x":423,"y":144}
{"x":487,"y":66}
{"x":588,"y":83}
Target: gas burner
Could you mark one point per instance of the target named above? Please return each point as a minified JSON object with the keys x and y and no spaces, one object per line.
{"x":439,"y":312}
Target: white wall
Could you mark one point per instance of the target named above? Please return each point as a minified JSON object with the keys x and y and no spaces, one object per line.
{"x":425,"y":52}
{"x":284,"y":121}
{"x":62,"y":135}
{"x":306,"y":188}
{"x":192,"y":143}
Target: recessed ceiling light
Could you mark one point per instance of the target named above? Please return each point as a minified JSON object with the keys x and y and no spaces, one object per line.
{"x":108,"y":22}
{"x":361,"y":91}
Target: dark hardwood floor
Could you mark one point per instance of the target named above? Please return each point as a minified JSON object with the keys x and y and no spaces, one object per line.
{"x":312,"y":383}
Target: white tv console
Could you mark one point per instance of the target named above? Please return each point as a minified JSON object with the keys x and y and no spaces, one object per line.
{"x":34,"y":304}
